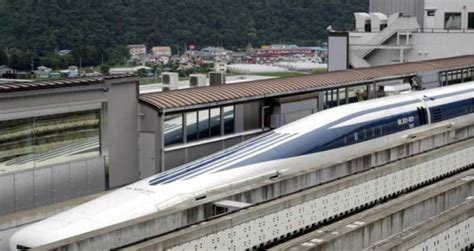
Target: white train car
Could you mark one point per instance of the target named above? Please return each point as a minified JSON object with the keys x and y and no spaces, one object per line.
{"x":322,"y":139}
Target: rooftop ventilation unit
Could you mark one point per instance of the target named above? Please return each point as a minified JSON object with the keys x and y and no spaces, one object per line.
{"x":378,"y":21}
{"x":216,"y":78}
{"x":197,"y":80}
{"x":170,"y":81}
{"x":362,"y":22}
{"x":427,"y":80}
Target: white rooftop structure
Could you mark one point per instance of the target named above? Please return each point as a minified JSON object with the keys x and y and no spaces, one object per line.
{"x":254,"y":68}
{"x":302,"y":66}
{"x":127,"y":70}
{"x":184,"y":84}
{"x":396,"y":31}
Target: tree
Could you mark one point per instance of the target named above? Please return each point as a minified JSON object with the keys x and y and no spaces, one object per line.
{"x":104,"y":69}
{"x":48,"y":24}
{"x":3,"y":58}
{"x":97,"y":31}
{"x":142,"y":72}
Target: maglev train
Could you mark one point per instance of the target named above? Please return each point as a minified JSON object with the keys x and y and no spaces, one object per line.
{"x":325,"y":138}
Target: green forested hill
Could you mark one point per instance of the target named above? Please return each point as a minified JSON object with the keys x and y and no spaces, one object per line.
{"x":102,"y":27}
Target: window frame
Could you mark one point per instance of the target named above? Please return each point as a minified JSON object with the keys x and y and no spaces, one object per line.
{"x":470,"y":17}
{"x":41,"y":132}
{"x":207,"y":123}
{"x":175,"y":142}
{"x":232,"y":131}
{"x":446,"y":14}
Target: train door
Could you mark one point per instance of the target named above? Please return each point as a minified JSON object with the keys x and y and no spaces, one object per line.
{"x":424,"y":111}
{"x":147,"y":162}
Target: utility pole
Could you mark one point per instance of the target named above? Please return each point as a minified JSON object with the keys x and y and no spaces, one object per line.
{"x":32,"y":65}
{"x":80,"y":65}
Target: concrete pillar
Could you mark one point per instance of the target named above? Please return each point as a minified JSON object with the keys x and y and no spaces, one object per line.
{"x":326,"y":99}
{"x":320,"y":104}
{"x":374,"y":86}
{"x":347,"y":95}
{"x":369,"y":91}
{"x":446,"y":80}
{"x":160,"y":142}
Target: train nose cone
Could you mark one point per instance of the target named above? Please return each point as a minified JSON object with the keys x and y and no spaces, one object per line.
{"x":32,"y":236}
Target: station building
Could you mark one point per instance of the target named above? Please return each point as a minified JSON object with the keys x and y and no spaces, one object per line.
{"x":184,"y":125}
{"x":65,"y":139}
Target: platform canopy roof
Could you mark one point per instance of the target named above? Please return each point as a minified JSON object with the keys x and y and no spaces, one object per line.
{"x":8,"y":86}
{"x":185,"y":99}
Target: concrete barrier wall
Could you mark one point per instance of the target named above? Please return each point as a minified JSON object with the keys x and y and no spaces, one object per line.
{"x":457,"y":237}
{"x":396,"y":221}
{"x":40,"y":187}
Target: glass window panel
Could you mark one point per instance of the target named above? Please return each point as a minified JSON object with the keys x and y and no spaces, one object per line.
{"x":16,"y":144}
{"x":191,"y":126}
{"x":470,"y":23}
{"x":173,"y":129}
{"x":229,"y":122}
{"x":47,"y":140}
{"x":452,"y":21}
{"x":215,"y":122}
{"x":203,"y":124}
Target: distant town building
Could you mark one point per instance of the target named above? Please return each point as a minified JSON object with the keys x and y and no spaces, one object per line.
{"x":64,"y":52}
{"x":276,"y":54}
{"x":283,"y":46}
{"x":161,"y":51}
{"x":220,"y":67}
{"x":215,"y":54}
{"x":398,"y":31}
{"x":128,"y":70}
{"x":162,"y":60}
{"x":43,"y":72}
{"x":71,"y":72}
{"x":4,"y":70}
{"x":136,"y":49}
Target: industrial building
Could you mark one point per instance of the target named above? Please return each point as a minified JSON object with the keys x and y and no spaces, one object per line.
{"x":397,"y":31}
{"x":65,"y":139}
{"x":180,"y":126}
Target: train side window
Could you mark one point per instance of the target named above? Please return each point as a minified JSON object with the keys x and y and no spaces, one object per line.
{"x":356,"y":136}
{"x":350,"y":138}
{"x":363,"y":134}
{"x":378,"y":131}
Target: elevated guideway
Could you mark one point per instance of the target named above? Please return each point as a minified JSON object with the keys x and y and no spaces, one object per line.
{"x":451,"y":230}
{"x":433,"y":209}
{"x":279,"y":209}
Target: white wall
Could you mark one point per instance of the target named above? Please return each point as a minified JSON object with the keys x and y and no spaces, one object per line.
{"x":437,"y":45}
{"x":443,"y":6}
